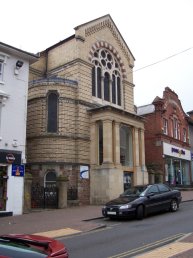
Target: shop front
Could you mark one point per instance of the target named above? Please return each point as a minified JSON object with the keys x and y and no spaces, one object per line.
{"x":3,"y":187}
{"x":177,"y":165}
{"x":11,"y":182}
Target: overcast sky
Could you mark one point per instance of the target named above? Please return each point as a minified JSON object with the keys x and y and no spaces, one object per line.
{"x":156,"y":31}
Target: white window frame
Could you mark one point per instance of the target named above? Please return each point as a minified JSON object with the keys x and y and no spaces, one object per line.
{"x":184,"y":135}
{"x":3,"y":61}
{"x":175,"y":128}
{"x":165,"y":126}
{"x":1,"y":69}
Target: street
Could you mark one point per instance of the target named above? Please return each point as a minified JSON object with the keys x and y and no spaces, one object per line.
{"x":122,"y":238}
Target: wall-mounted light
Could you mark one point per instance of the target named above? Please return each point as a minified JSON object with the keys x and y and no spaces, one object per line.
{"x":15,"y":143}
{"x":19,"y":64}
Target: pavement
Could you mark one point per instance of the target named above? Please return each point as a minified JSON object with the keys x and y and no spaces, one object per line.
{"x":79,"y":219}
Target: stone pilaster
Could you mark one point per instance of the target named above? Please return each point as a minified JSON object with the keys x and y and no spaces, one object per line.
{"x":136,"y":141}
{"x":62,"y":192}
{"x":116,"y":132}
{"x":27,"y":193}
{"x":107,"y":142}
{"x":142,"y":150}
{"x":93,"y":143}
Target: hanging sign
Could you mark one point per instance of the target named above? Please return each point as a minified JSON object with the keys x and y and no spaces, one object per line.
{"x":10,"y":157}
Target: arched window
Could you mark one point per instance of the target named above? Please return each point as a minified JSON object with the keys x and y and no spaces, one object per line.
{"x":106,"y":87}
{"x":52,"y":109}
{"x":126,"y":146}
{"x":106,"y":77}
{"x":100,"y":144}
{"x":50,"y":179}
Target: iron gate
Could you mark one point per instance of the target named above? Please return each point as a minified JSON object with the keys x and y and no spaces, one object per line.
{"x":44,"y":197}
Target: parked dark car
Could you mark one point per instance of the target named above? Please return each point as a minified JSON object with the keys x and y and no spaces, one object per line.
{"x":140,"y":201}
{"x":31,"y":246}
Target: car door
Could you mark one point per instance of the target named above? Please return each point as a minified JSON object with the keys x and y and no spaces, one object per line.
{"x":153,"y":199}
{"x":165,"y":196}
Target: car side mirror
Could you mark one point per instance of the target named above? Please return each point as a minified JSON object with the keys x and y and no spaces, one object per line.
{"x":150,"y":195}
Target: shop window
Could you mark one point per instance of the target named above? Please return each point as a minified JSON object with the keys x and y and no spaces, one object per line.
{"x":126,"y":146}
{"x":52,"y":106}
{"x":106,"y":77}
{"x":165,"y":126}
{"x":3,"y":187}
{"x":127,"y":180}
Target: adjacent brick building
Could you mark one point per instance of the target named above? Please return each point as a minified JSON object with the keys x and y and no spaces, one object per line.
{"x":82,"y":123}
{"x":167,"y":147}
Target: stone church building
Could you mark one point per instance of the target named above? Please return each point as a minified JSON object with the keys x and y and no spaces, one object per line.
{"x":82,"y":123}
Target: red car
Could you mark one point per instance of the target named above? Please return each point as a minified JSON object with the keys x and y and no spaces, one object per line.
{"x":31,"y":246}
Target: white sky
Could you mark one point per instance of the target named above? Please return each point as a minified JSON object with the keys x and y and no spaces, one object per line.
{"x":152,"y":29}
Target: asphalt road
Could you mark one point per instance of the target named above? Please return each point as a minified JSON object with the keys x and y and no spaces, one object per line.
{"x":121,"y":238}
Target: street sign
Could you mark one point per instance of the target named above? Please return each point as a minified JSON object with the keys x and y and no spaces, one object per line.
{"x":18,"y":170}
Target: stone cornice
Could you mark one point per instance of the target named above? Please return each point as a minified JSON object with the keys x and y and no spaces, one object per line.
{"x":116,"y":110}
{"x":53,"y":81}
{"x":57,"y":135}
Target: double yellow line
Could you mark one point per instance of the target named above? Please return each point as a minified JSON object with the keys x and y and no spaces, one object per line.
{"x":148,"y":247}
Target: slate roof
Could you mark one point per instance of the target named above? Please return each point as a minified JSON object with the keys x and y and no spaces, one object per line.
{"x":147,"y":109}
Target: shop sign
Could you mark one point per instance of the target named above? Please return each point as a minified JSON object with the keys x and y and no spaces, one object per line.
{"x":18,"y":170}
{"x":175,"y":151}
{"x":10,"y":157}
{"x":84,"y":172}
{"x":180,"y":152}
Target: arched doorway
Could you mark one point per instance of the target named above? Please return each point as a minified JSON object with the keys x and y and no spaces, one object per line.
{"x":46,"y":196}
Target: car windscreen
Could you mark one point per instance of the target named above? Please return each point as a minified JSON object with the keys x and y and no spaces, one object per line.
{"x":134,"y":191}
{"x":19,"y":250}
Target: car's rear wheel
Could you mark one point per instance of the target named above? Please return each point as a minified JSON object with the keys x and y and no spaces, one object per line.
{"x":173,"y":205}
{"x":140,"y":212}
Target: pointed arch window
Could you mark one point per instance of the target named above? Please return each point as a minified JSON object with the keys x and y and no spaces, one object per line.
{"x":52,"y":109}
{"x":106,"y":87}
{"x":106,"y":77}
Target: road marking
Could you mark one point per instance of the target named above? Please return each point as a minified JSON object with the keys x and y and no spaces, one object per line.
{"x":148,"y":246}
{"x":59,"y":232}
{"x":168,"y":251}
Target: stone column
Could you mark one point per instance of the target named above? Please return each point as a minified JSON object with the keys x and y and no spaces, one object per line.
{"x":142,"y":150}
{"x":93,"y":143}
{"x":107,"y":142}
{"x":116,"y":132}
{"x":62,"y":192}
{"x":136,"y":142}
{"x":27,"y":193}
